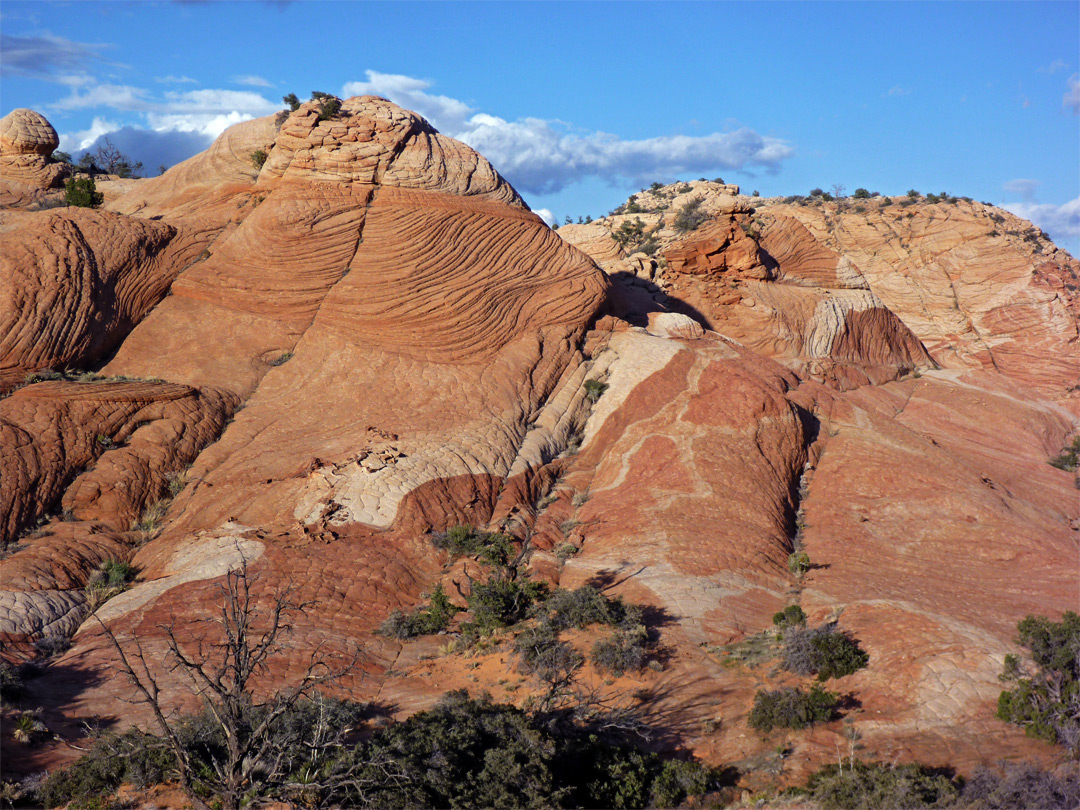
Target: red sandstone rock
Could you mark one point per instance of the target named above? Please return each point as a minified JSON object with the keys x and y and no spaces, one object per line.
{"x":411,"y":346}
{"x":75,"y":282}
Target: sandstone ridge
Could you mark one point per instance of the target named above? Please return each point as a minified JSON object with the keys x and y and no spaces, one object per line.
{"x":314,"y":360}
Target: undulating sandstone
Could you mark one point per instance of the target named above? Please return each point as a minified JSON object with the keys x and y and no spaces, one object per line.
{"x":27,"y":140}
{"x":313,"y":364}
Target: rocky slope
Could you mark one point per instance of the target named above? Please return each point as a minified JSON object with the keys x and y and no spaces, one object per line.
{"x":314,"y":362}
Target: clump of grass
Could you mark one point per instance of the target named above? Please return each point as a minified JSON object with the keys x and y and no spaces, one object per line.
{"x":111,"y":579}
{"x":149,"y":523}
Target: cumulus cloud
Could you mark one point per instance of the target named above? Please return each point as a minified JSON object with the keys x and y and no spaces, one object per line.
{"x":447,"y":114}
{"x":46,"y":56}
{"x":546,"y":215}
{"x":252,"y":81}
{"x":178,"y":124}
{"x":86,"y":95}
{"x":1071,"y":99}
{"x":543,"y":156}
{"x":1060,"y":221}
{"x":72,"y":142}
{"x":149,"y":147}
{"x":1024,"y":187}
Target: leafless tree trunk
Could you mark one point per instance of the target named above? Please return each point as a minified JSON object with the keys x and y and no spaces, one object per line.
{"x":220,"y":665}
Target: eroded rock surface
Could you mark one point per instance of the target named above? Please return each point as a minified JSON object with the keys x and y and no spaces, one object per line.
{"x":76,"y":281}
{"x":402,"y":346}
{"x":27,"y":140}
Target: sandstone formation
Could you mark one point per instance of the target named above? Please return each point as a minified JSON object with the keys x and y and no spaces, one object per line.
{"x":369,"y":337}
{"x":76,"y":281}
{"x":27,"y":140}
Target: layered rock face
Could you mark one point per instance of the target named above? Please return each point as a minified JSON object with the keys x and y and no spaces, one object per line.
{"x":312,"y":361}
{"x":26,"y":141}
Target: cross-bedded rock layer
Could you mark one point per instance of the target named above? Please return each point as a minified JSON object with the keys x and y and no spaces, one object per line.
{"x":368,"y":336}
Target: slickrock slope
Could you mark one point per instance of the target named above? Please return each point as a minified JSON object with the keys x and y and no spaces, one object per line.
{"x":371,"y":337}
{"x":76,"y":281}
{"x":26,"y":141}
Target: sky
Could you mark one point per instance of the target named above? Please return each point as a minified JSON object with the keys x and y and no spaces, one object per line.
{"x":581,"y":104}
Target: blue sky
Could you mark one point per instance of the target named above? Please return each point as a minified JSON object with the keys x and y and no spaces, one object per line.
{"x":580,"y":104}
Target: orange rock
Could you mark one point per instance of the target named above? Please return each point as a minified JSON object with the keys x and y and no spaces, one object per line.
{"x":75,"y":282}
{"x":413,"y":349}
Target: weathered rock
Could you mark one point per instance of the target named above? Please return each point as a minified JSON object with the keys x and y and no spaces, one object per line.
{"x":979,"y":287}
{"x":414,"y":349}
{"x":27,"y":140}
{"x":25,"y":132}
{"x":105,"y":446}
{"x":76,"y":281}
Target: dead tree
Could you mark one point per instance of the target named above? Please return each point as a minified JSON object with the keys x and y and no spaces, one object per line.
{"x":220,"y":665}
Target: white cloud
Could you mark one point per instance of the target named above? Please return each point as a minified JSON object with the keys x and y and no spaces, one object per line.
{"x":208,"y":124}
{"x":1024,"y":187}
{"x":217,"y":101}
{"x":1060,"y":221}
{"x":1053,"y":67}
{"x":897,"y":90}
{"x":1071,"y":99}
{"x":86,"y":95}
{"x":545,"y":215}
{"x":71,"y":142}
{"x":447,"y":114}
{"x":542,"y":156}
{"x":177,"y":124}
{"x":252,"y":81}
{"x":170,"y":79}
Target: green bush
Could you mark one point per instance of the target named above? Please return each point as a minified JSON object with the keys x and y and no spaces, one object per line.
{"x":798,"y":563}
{"x":677,"y":780}
{"x":861,"y":194}
{"x":291,"y":101}
{"x":134,"y":756}
{"x":873,"y":786}
{"x":1021,"y":786}
{"x":690,"y":216}
{"x":11,"y":683}
{"x":81,"y":192}
{"x":329,"y":106}
{"x":792,"y":708}
{"x":491,"y":548}
{"x":791,"y":616}
{"x":423,"y":621}
{"x":115,"y":573}
{"x":912,"y":194}
{"x":621,"y":652}
{"x":463,"y":753}
{"x":540,"y":652}
{"x":823,"y":651}
{"x":500,"y":602}
{"x":629,"y":233}
{"x":594,"y":389}
{"x":258,"y":158}
{"x":1046,"y":701}
{"x":1069,"y":459}
{"x":586,"y":605}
